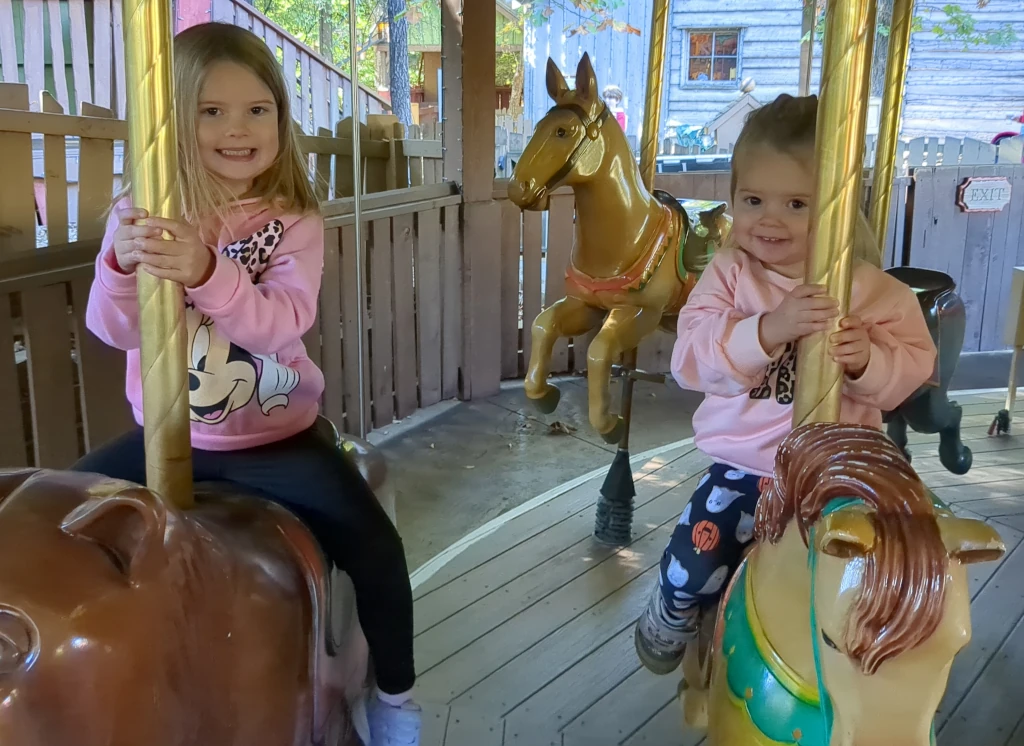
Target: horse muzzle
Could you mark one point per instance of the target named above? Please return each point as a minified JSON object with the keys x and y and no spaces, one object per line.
{"x":526,"y":195}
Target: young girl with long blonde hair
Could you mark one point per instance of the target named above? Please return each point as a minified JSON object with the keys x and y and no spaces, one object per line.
{"x":249,"y":253}
{"x":737,"y":342}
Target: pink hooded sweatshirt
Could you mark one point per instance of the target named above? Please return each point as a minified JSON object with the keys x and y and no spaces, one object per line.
{"x":748,"y":408}
{"x":250,"y":379}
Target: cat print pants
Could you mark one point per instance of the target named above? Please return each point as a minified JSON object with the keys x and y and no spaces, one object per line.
{"x":708,"y":542}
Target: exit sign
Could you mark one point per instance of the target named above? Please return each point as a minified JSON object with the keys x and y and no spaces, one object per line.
{"x":983,"y":194}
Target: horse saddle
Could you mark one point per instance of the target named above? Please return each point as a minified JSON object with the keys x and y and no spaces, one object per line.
{"x":936,"y":293}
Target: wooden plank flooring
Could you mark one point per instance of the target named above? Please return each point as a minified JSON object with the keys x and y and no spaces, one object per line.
{"x":526,"y":638}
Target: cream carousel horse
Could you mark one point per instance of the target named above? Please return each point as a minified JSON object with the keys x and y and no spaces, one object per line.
{"x":840,"y":627}
{"x":636,"y":255}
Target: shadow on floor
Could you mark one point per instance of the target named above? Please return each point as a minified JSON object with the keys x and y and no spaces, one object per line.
{"x":483,"y":458}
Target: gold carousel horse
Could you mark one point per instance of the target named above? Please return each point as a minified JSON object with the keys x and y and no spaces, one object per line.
{"x":636,"y":254}
{"x":840,"y":627}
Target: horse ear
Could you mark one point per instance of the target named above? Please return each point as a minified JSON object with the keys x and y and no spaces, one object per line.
{"x":846,"y":534}
{"x":970,"y":540}
{"x":129,"y":527}
{"x":557,"y":87}
{"x":586,"y":80}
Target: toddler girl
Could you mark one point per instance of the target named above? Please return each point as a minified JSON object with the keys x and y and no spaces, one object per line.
{"x":737,"y":341}
{"x":249,"y":254}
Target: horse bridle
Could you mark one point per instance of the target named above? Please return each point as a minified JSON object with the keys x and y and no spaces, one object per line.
{"x":592,"y":130}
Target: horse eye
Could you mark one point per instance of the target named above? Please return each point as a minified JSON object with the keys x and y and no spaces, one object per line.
{"x":829,"y":642}
{"x":560,"y":132}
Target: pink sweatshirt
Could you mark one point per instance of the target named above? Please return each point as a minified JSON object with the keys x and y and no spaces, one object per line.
{"x":748,"y":408}
{"x":251,"y":381}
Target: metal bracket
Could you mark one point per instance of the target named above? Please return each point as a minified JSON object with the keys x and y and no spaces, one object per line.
{"x":622,"y":371}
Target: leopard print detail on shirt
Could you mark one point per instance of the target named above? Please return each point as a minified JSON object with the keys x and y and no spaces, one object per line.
{"x":254,"y":252}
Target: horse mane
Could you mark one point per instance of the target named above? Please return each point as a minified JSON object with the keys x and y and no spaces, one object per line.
{"x":900,"y":602}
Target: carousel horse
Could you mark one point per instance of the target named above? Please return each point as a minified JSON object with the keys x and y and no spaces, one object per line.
{"x":840,"y":626}
{"x":636,"y":255}
{"x":124,"y":621}
{"x":929,"y":409}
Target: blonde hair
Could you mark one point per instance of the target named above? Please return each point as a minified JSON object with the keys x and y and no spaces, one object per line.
{"x":286,"y":183}
{"x":787,"y":125}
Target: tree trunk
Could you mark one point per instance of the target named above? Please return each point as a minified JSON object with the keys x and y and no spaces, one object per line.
{"x":881,"y":51}
{"x":327,"y":31}
{"x":401,"y":95}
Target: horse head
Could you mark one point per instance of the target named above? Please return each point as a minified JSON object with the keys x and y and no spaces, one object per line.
{"x":123,"y":620}
{"x":890,"y":606}
{"x":84,"y":607}
{"x":571,"y":143}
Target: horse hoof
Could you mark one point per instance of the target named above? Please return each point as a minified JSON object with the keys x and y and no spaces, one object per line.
{"x":614,"y":435}
{"x":547,"y":403}
{"x":956,"y":460}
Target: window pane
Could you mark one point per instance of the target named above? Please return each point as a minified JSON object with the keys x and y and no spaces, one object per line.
{"x":725,"y":69}
{"x":700,"y":45}
{"x":725,"y":44}
{"x":700,"y":68}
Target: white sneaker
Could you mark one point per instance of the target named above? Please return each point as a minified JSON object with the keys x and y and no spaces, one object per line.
{"x":394,"y":726}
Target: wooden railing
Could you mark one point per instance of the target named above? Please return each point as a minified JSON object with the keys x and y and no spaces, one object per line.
{"x":95,"y":73}
{"x":62,"y":391}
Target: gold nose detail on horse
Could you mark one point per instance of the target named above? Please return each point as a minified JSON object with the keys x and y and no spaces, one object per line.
{"x":636,"y":254}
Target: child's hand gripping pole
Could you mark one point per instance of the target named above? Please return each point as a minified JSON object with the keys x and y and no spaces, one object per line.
{"x":153,"y":145}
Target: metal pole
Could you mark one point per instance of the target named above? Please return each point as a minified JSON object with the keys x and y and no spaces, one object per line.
{"x":810,"y":17}
{"x":614,"y":515}
{"x":842,"y":123}
{"x":889,"y":121}
{"x":655,"y":85}
{"x":153,"y":144}
{"x":357,"y":197}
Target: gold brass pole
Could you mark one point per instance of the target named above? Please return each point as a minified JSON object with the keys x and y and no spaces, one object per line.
{"x":889,"y":121}
{"x":652,"y":106}
{"x":152,"y":142}
{"x":842,"y":122}
{"x":649,"y":141}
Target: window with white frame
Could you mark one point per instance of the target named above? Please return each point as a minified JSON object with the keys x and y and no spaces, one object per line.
{"x":713,"y":56}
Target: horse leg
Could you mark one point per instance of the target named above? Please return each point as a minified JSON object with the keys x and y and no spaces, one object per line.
{"x":954,"y":455}
{"x":567,"y":317}
{"x":623,"y":330}
{"x":897,"y":430}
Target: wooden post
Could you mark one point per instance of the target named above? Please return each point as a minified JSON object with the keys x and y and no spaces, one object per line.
{"x":481,"y":254}
{"x":809,"y":19}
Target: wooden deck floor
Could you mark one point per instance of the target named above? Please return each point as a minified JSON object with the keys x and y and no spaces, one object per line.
{"x":526,"y":638}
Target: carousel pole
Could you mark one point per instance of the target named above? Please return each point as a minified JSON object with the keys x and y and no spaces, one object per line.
{"x":153,"y":145}
{"x":841,"y":127}
{"x":614,"y":519}
{"x":889,"y":121}
{"x":357,"y":197}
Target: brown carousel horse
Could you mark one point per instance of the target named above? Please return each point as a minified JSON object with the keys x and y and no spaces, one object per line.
{"x":636,"y":254}
{"x":840,"y":627}
{"x":124,"y":621}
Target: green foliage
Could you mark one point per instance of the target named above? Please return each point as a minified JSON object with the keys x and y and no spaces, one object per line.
{"x":955,"y":25}
{"x":595,"y":15}
{"x":301,"y":19}
{"x":506,"y":66}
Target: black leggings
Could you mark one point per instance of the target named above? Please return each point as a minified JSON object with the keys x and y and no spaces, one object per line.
{"x":308,"y":475}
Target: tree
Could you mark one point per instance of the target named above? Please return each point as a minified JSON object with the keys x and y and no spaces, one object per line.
{"x":595,"y":15}
{"x":398,"y":62}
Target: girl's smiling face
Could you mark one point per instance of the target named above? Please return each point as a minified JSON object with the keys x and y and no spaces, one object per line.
{"x":772,"y":209}
{"x":236,"y":126}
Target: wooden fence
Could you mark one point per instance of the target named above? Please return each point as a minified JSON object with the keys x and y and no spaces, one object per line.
{"x":95,"y":72}
{"x":512,"y":134}
{"x":926,"y":229}
{"x":69,"y":387}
